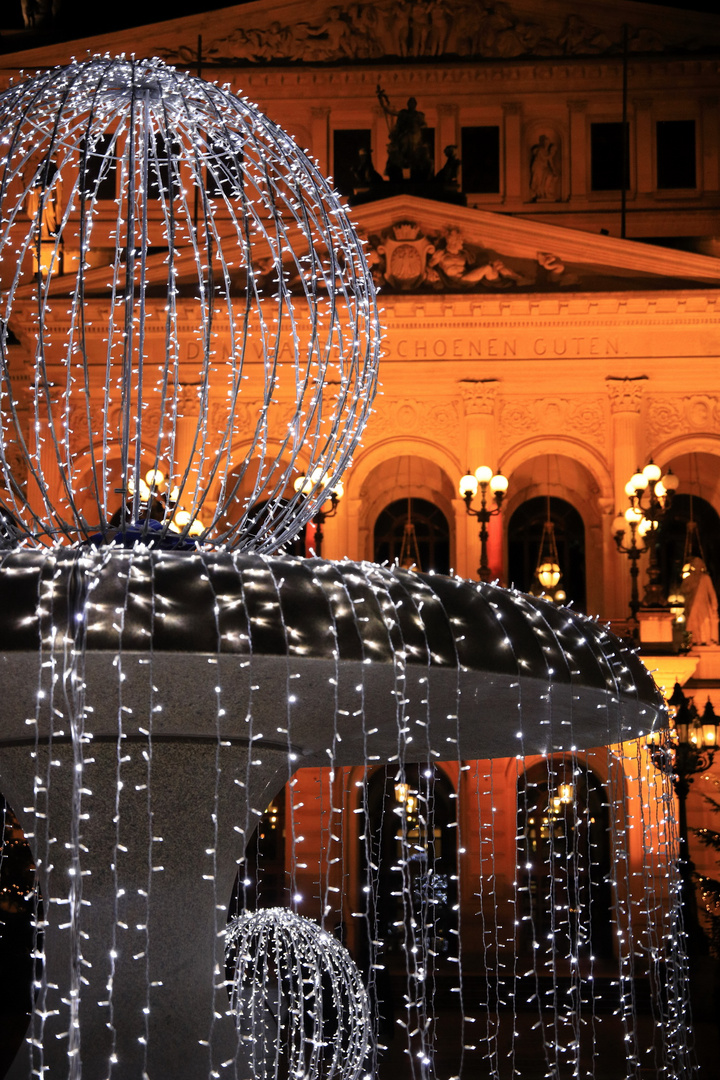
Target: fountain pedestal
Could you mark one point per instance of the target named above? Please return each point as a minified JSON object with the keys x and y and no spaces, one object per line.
{"x":139,"y":753}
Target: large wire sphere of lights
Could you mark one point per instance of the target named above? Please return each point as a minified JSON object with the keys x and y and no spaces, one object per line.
{"x":189,"y":304}
{"x":300,"y":1004}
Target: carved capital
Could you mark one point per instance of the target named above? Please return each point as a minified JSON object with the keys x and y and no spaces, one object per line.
{"x":319,"y":112}
{"x":478,"y":396}
{"x":578,"y":106}
{"x":626,"y":393}
{"x":512,"y":108}
{"x":447,"y":110}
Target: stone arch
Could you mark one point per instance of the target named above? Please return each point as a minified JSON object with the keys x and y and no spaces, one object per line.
{"x":396,"y":469}
{"x":572,"y":472}
{"x":562,"y":446}
{"x":696,"y":462}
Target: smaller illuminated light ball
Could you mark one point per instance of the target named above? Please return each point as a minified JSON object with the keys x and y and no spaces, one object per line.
{"x":298,"y":996}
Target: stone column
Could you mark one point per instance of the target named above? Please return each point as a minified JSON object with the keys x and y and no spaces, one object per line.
{"x":644,"y":145}
{"x":578,"y":150}
{"x":480,"y":448}
{"x":448,"y":133}
{"x":320,"y":133}
{"x":709,"y":176}
{"x":515,"y":167}
{"x":627,"y":440}
{"x":379,"y":139}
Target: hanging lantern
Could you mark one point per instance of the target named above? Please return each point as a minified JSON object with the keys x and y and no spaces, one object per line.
{"x":547,"y":570}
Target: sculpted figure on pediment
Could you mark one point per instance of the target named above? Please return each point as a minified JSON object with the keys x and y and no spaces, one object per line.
{"x":406,"y":259}
{"x":456,"y":266}
{"x":579,"y":37}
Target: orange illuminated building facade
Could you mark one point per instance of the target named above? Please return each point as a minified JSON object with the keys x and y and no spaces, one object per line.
{"x":538,"y":185}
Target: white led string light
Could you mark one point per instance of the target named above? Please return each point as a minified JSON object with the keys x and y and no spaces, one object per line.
{"x":298,"y":997}
{"x":275,"y":272}
{"x":193,"y":672}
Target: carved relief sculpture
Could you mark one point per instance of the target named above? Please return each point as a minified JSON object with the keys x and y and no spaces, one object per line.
{"x":427,"y":28}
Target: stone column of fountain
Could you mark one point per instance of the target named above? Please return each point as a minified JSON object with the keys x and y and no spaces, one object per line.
{"x":135,"y":954}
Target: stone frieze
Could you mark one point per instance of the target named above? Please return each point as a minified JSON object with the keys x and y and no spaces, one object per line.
{"x":429,"y":29}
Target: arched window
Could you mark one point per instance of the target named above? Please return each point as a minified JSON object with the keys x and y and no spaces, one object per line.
{"x":263,"y":880}
{"x":431,"y":531}
{"x":563,"y":861}
{"x":674,"y":536}
{"x":525,"y":534}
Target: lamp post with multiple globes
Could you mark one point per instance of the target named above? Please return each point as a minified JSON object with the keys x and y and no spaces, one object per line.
{"x":482,"y":480}
{"x":686,"y":749}
{"x":306,"y":484}
{"x":650,"y":494}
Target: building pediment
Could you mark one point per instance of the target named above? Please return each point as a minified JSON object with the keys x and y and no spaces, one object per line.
{"x":424,"y":247}
{"x":418,"y":245}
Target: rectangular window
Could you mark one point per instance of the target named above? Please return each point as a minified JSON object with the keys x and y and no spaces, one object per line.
{"x":480,"y":156}
{"x":351,"y":150}
{"x":675,"y":147}
{"x":99,"y":169}
{"x":163,"y":169}
{"x":224,"y":174}
{"x":606,"y":156}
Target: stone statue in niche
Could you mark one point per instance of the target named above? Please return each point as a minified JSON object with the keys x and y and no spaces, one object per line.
{"x":447,"y":177}
{"x":544,"y":170}
{"x":408,"y":153}
{"x":364,"y":174}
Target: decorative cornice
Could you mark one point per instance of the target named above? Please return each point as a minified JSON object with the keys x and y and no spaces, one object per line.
{"x":478,"y":396}
{"x":625,"y":393}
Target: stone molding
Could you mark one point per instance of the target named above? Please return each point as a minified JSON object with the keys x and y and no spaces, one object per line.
{"x":669,"y":415}
{"x":583,"y":416}
{"x":479,"y":396}
{"x":434,"y":418}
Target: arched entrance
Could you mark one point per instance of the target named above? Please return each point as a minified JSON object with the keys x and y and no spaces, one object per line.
{"x":564,"y":861}
{"x":525,"y":534}
{"x":430,"y":528}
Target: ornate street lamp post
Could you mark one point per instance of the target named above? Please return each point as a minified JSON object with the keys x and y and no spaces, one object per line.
{"x":306,"y":484}
{"x":689,"y":749}
{"x":483,"y":479}
{"x":650,"y":494}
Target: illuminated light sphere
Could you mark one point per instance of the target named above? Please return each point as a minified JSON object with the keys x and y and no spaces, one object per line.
{"x":298,"y":998}
{"x":191,"y":303}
